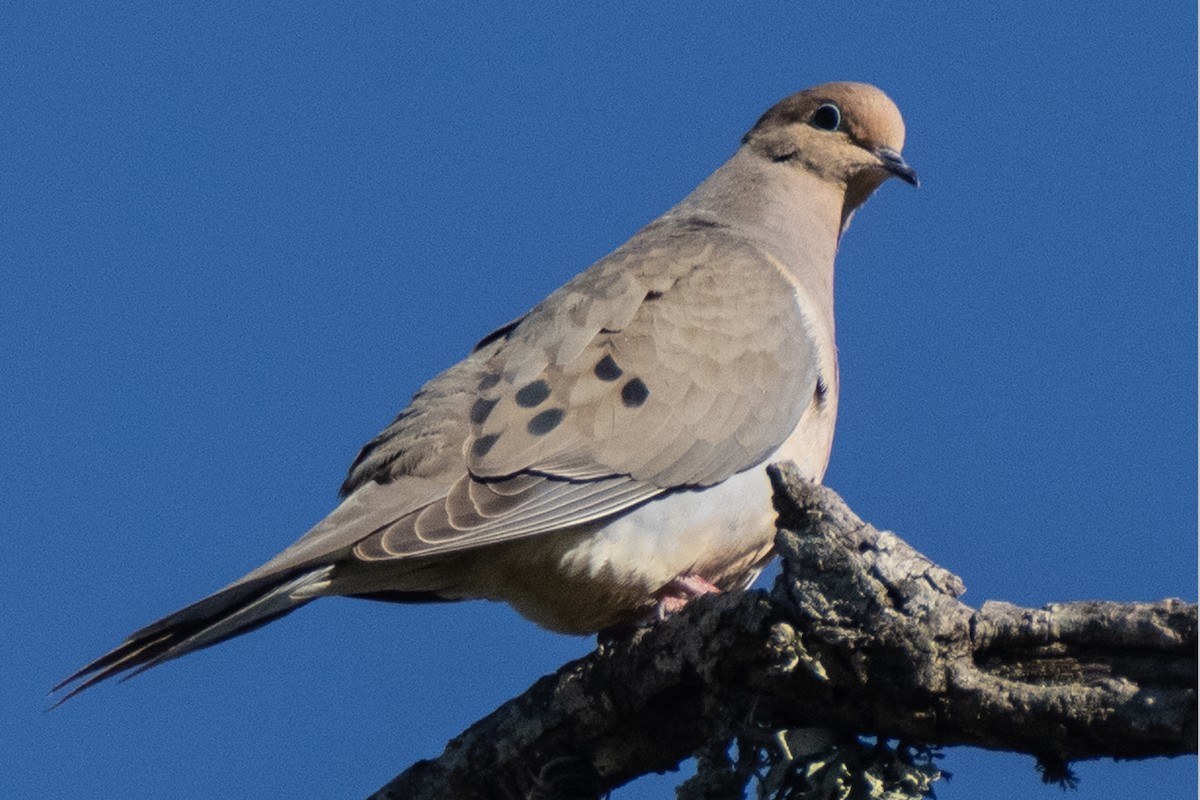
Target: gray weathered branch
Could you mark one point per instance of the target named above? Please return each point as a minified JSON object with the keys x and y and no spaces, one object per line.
{"x":861,"y":634}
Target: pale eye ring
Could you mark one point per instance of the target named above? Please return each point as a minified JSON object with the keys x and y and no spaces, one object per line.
{"x":828,"y":117}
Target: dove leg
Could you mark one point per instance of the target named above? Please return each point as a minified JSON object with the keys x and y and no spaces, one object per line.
{"x":678,"y":591}
{"x":673,"y":596}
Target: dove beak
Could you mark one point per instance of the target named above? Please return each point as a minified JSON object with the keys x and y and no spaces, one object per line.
{"x":894,"y":163}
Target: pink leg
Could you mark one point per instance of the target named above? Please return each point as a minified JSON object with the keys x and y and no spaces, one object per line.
{"x":678,"y":591}
{"x":673,"y":596}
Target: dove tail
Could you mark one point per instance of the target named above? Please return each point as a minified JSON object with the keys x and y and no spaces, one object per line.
{"x":232,"y":611}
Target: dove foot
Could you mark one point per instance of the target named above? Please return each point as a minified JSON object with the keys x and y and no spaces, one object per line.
{"x":673,"y":596}
{"x":678,"y":591}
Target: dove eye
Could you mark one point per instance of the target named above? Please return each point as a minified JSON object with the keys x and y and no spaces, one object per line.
{"x":828,"y":117}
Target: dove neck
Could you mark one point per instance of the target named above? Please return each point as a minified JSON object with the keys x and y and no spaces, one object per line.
{"x":792,"y":214}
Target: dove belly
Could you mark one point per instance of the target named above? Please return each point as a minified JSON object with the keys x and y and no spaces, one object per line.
{"x":594,"y":577}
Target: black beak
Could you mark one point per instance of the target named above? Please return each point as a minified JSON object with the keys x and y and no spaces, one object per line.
{"x":892,"y":161}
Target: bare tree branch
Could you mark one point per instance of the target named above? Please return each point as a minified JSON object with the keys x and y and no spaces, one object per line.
{"x":860,"y":635}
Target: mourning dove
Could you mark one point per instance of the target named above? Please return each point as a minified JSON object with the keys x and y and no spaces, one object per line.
{"x":600,"y":459}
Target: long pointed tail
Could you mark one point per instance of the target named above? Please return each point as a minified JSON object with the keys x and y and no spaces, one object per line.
{"x":232,"y":611}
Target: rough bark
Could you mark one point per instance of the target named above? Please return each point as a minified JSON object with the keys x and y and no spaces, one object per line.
{"x":861,"y":635}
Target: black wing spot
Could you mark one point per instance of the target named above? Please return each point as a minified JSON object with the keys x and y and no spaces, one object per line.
{"x":481,"y":410}
{"x":488,"y":381}
{"x":502,"y":332}
{"x":820,"y":392}
{"x":700,"y":223}
{"x":484,"y":444}
{"x":635,"y":393}
{"x":652,"y":295}
{"x":533,"y":394}
{"x":607,"y":369}
{"x":546,"y":421}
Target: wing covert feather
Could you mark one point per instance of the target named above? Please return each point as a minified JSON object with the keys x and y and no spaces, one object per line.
{"x":677,"y":361}
{"x":714,"y":358}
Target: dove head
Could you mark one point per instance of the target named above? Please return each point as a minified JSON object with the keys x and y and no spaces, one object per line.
{"x":850,"y":134}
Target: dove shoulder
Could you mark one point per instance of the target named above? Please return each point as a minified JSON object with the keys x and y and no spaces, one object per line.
{"x":619,"y":373}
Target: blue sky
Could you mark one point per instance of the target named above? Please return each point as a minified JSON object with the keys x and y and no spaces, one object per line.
{"x":235,"y":240}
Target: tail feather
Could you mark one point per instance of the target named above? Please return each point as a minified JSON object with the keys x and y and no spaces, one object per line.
{"x":235,"y":610}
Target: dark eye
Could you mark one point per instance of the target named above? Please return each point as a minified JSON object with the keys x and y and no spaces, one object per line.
{"x":828,"y":117}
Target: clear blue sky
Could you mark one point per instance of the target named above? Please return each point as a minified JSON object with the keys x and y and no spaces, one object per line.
{"x":234,"y":241}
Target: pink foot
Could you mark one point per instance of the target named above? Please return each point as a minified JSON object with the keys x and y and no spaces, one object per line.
{"x":673,"y":596}
{"x":678,"y":591}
